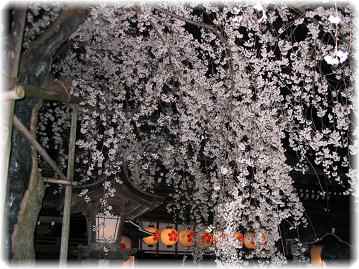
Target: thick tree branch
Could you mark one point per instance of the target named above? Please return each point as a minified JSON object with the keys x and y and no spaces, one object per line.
{"x":56,"y":90}
{"x":24,"y":231}
{"x":23,"y":130}
{"x":38,"y":58}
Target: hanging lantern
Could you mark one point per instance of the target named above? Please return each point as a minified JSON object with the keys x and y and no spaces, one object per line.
{"x":250,"y":240}
{"x":169,"y":237}
{"x":125,"y":243}
{"x":185,"y":238}
{"x":219,"y":236}
{"x":206,"y":239}
{"x":152,"y":239}
{"x":107,"y":228}
{"x":262,"y":238}
{"x":240,"y":238}
{"x":315,"y":255}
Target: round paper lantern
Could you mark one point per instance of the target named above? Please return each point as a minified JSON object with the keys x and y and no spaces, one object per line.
{"x":240,"y":238}
{"x":262,"y":238}
{"x":169,"y":237}
{"x":249,"y":240}
{"x":219,"y":236}
{"x":125,"y":243}
{"x":152,"y":239}
{"x":206,"y":239}
{"x":185,"y":238}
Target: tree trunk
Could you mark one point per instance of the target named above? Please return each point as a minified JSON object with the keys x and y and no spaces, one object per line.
{"x":23,"y":236}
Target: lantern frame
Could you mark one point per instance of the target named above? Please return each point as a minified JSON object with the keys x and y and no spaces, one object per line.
{"x":107,"y":228}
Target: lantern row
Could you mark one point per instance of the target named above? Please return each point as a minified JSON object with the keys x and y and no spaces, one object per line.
{"x":187,"y":238}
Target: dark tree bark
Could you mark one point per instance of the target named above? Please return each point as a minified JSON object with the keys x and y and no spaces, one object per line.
{"x":35,"y":71}
{"x":16,"y":22}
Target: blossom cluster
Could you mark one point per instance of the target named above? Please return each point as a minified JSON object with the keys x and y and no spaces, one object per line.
{"x":218,"y":105}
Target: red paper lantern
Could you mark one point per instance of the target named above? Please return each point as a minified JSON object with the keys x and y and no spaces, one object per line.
{"x":262,"y":238}
{"x":152,"y":239}
{"x":206,"y":240}
{"x":250,"y":240}
{"x":240,"y":238}
{"x":218,"y":236}
{"x":169,"y":237}
{"x":185,"y":238}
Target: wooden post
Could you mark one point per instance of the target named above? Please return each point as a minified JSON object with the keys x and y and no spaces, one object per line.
{"x":68,"y":191}
{"x":91,"y":222}
{"x":11,"y":67}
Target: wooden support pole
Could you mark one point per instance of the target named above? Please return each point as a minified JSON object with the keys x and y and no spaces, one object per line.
{"x":58,"y":181}
{"x":13,"y":52}
{"x":27,"y":134}
{"x":68,"y":191}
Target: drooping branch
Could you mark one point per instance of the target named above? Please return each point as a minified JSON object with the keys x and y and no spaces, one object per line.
{"x":214,"y":30}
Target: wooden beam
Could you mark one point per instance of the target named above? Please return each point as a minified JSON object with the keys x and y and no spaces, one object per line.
{"x":58,"y":181}
{"x":14,"y":94}
{"x":27,"y":134}
{"x":68,"y":191}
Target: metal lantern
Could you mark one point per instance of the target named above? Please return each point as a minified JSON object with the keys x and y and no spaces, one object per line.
{"x":125,"y":243}
{"x":169,"y":237}
{"x":107,"y":228}
{"x":185,"y":238}
{"x":152,"y":239}
{"x":250,"y":240}
{"x":206,"y":239}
